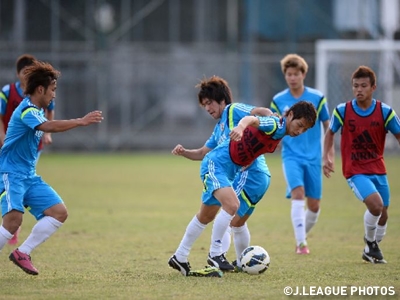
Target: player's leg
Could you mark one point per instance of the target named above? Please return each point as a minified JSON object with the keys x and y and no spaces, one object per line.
{"x":50,"y":212}
{"x":179,"y":260}
{"x":365,"y":190}
{"x":382,"y":185}
{"x":294,"y":175}
{"x":230,"y":204}
{"x":13,"y":189}
{"x":313,"y":192}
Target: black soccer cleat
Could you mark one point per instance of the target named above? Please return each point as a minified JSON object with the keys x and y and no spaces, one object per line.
{"x":183,"y":267}
{"x":221,"y":263}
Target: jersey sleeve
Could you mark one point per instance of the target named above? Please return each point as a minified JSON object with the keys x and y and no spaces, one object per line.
{"x":32,"y":117}
{"x":323,"y":110}
{"x":4,"y":94}
{"x":392,"y":121}
{"x":337,"y":118}
{"x":268,"y":124}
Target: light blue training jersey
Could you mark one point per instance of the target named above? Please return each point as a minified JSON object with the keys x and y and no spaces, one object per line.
{"x":230,"y":117}
{"x":392,"y":121}
{"x":19,"y":152}
{"x":306,"y":146}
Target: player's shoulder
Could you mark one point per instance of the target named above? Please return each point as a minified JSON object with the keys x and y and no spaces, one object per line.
{"x":385,"y":106}
{"x":314,"y":92}
{"x":6,"y":88}
{"x":243,"y":106}
{"x":281,"y":95}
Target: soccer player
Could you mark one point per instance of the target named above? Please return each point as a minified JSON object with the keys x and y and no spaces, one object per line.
{"x":302,"y":155}
{"x":250,"y":185}
{"x":11,"y":96}
{"x":364,"y":123}
{"x":20,"y":186}
{"x":252,"y":137}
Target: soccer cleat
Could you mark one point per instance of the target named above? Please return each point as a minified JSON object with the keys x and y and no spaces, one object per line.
{"x":374,"y":254}
{"x":14,"y":239}
{"x":206,"y":272}
{"x":220,"y":262}
{"x":302,"y":249}
{"x":237,"y":269}
{"x":23,"y":261}
{"x":183,"y":267}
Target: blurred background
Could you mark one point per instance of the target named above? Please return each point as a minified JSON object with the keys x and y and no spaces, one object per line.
{"x":139,"y":60}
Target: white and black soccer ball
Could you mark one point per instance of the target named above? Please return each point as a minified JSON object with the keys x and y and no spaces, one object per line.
{"x":254,"y":260}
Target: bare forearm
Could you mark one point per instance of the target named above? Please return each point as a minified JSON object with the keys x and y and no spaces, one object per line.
{"x":60,"y":125}
{"x":261,"y":111}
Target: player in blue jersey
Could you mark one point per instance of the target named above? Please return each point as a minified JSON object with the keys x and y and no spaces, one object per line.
{"x":302,"y":155}
{"x":11,"y":96}
{"x":252,"y":137}
{"x":20,"y":186}
{"x":364,"y":123}
{"x":250,"y":185}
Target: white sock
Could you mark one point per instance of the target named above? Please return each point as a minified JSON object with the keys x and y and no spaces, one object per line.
{"x":241,"y":240}
{"x":5,"y":236}
{"x":192,"y":233}
{"x":221,"y":223}
{"x":42,"y":230}
{"x":370,"y":225}
{"x":298,"y":221}
{"x":311,"y":219}
{"x":380,"y":232}
{"x":226,"y":240}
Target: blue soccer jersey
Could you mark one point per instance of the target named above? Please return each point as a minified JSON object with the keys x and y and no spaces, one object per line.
{"x":392,"y":123}
{"x":306,"y":146}
{"x":19,"y":152}
{"x":230,"y":117}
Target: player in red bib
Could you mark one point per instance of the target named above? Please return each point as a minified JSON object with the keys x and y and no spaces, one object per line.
{"x":364,"y":123}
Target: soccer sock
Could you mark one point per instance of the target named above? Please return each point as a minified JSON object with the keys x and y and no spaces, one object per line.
{"x":221,"y":223}
{"x":226,"y":240}
{"x":298,"y":218}
{"x":192,"y":233}
{"x":42,"y":230}
{"x":5,"y":236}
{"x":380,"y":232}
{"x":241,"y":240}
{"x":370,"y":225}
{"x":311,"y":219}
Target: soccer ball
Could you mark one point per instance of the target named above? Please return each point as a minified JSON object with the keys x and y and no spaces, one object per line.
{"x":254,"y":260}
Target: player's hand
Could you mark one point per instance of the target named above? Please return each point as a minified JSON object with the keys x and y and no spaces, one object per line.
{"x":92,"y":117}
{"x":47,"y":139}
{"x":178,"y":150}
{"x":328,"y":167}
{"x":236,"y":133}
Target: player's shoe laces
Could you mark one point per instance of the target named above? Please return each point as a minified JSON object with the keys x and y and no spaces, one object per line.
{"x":208,"y":271}
{"x":14,"y":239}
{"x":220,"y":262}
{"x":183,"y":267}
{"x":23,"y":261}
{"x":374,"y":254}
{"x":302,"y":249}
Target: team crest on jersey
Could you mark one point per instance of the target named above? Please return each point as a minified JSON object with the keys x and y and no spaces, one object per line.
{"x":222,"y":126}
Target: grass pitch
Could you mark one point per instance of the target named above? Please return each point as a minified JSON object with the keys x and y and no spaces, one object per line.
{"x":127,"y":214}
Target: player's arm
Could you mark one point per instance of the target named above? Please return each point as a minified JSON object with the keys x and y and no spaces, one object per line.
{"x":192,"y":154}
{"x":328,"y":157}
{"x":261,"y":111}
{"x":237,"y":132}
{"x":47,"y":139}
{"x":64,"y":125}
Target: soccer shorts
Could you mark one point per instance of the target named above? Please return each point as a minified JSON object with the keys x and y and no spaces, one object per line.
{"x":365,"y":185}
{"x":250,"y":186}
{"x":32,"y":193}
{"x":302,"y":173}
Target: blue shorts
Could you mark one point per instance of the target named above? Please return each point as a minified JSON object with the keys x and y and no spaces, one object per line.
{"x":365,"y":185}
{"x":32,"y":193}
{"x":302,"y":173}
{"x":218,"y":171}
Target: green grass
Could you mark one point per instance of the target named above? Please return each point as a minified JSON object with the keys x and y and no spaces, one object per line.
{"x":127,"y":214}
